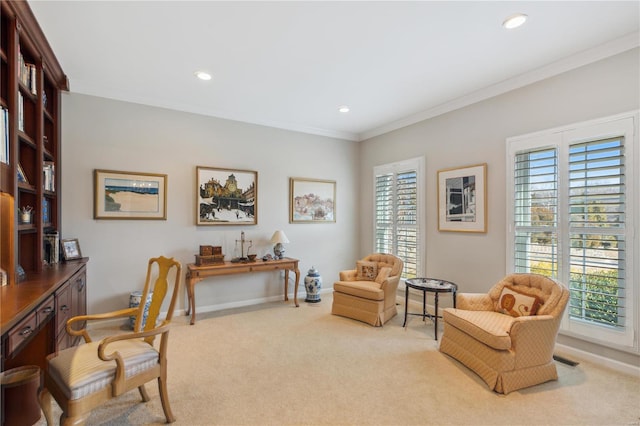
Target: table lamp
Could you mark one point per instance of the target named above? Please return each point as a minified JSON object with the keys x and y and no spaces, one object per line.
{"x":278,"y":239}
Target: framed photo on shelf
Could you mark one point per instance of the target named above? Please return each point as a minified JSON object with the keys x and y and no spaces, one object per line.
{"x":312,"y":200}
{"x":462,"y":195}
{"x":71,"y":249}
{"x":226,"y":196}
{"x":129,"y":195}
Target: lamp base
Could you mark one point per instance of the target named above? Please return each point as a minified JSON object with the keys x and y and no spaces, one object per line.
{"x":278,"y":251}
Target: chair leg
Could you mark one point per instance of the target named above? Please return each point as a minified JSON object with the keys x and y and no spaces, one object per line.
{"x":164,"y":398}
{"x":44,"y":397}
{"x":143,"y":393}
{"x":73,"y":421}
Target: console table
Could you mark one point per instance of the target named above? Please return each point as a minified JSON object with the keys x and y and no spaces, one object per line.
{"x":196,"y":273}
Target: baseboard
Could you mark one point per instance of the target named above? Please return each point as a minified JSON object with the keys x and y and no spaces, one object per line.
{"x":621,"y":367}
{"x":246,"y":302}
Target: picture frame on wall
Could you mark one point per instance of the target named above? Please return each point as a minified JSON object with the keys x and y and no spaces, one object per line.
{"x":226,"y":196}
{"x":129,"y":195}
{"x":71,"y":249}
{"x":312,"y":200}
{"x":462,"y":199}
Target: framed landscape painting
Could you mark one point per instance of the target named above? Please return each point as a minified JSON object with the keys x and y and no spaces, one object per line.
{"x":129,"y":195}
{"x":462,"y":194}
{"x":226,"y":196}
{"x":312,"y":200}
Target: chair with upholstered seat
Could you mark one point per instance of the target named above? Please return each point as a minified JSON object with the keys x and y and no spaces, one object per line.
{"x":83,"y":377}
{"x":507,"y":336}
{"x":368,"y":293}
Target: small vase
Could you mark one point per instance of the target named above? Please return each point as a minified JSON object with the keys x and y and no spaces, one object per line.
{"x":313,"y":284}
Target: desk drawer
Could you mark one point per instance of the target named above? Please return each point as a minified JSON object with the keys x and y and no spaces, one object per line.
{"x":45,"y":311}
{"x":21,"y":333}
{"x":63,"y":306}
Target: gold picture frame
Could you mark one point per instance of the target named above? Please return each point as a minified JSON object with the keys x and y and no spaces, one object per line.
{"x":462,"y":199}
{"x":129,"y":195}
{"x":312,"y":200}
{"x":226,"y":196}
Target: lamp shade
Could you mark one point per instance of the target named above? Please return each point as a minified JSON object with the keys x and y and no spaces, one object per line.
{"x":279,"y":237}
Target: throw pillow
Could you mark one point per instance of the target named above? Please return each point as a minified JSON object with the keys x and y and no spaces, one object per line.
{"x":383,"y":274}
{"x":517,"y":304}
{"x":367,"y":271}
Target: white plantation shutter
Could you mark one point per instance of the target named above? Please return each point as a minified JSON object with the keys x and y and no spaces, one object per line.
{"x":571,"y":194}
{"x":536,"y":212}
{"x":597,"y":231}
{"x":397,"y":213}
{"x":384,"y":213}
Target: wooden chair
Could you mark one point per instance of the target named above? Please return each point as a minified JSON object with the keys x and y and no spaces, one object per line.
{"x":83,"y":377}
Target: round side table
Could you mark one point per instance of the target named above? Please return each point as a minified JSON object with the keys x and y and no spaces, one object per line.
{"x":431,"y":285}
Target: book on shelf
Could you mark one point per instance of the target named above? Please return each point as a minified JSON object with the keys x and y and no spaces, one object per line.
{"x":27,"y":74}
{"x":51,"y":247}
{"x":4,"y":135}
{"x":22,"y":177}
{"x":46,"y":211}
{"x":20,"y":112}
{"x":49,"y":178}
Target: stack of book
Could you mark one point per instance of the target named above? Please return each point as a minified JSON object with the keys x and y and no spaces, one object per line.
{"x":27,"y":74}
{"x":51,"y":247}
{"x":49,"y":170}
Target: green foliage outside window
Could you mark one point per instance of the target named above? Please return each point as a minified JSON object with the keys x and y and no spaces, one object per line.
{"x":593,"y":297}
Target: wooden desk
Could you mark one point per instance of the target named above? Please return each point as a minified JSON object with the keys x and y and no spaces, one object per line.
{"x":196,"y":274}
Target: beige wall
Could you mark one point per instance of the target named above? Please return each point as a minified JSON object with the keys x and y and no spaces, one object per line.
{"x":105,"y":134}
{"x":477,"y":134}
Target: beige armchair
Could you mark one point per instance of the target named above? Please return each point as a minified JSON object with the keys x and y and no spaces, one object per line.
{"x":507,"y":336}
{"x":368,"y":293}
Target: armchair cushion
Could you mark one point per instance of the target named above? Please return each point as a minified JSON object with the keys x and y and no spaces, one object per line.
{"x":383,"y":274}
{"x":490,"y":328}
{"x":517,"y":303}
{"x":80,"y":372}
{"x":365,"y":289}
{"x":367,"y":271}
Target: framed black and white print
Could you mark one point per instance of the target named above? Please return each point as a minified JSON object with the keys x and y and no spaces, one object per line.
{"x":462,"y":194}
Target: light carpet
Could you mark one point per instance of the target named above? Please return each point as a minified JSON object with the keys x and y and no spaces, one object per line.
{"x":274,"y":364}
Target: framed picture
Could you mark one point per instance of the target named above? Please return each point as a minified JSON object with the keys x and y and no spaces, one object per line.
{"x":71,"y":249}
{"x":462,"y":195}
{"x":129,"y":195}
{"x":226,"y":196}
{"x":312,"y":200}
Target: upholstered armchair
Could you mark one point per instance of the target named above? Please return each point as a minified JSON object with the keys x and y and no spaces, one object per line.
{"x":507,"y":336}
{"x":368,"y":293}
{"x":84,"y":377}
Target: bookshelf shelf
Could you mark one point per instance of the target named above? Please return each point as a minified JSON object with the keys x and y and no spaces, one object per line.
{"x":31,"y":80}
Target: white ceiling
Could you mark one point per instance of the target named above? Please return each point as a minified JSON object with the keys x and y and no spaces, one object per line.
{"x":292,"y":64}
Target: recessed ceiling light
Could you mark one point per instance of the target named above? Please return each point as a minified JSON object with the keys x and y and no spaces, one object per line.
{"x":514,"y":21}
{"x":202,"y":75}
{"x":344,"y":108}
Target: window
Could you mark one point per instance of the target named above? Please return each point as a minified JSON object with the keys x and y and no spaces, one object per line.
{"x":571,"y":196}
{"x":398,"y":213}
